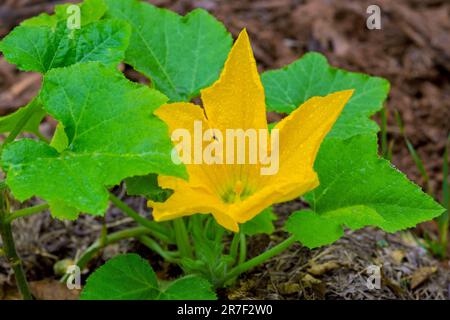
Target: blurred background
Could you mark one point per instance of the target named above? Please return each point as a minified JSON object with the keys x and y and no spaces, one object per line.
{"x":411,"y":50}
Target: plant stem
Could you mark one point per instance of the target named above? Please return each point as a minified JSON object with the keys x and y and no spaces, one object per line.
{"x":112,"y":238}
{"x":155,"y":229}
{"x":242,"y":248}
{"x":182,"y":238}
{"x":34,"y":104}
{"x":103,"y":233}
{"x":235,"y":272}
{"x":10,"y":252}
{"x":153,"y":245}
{"x":27,"y":212}
{"x":234,"y":247}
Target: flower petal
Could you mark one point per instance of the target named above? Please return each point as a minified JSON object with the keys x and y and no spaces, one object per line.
{"x":183,"y":115}
{"x":187,"y":200}
{"x":236,"y":100}
{"x":302,"y":132}
{"x":274,"y":193}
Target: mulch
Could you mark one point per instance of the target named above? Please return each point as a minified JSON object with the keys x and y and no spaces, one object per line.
{"x":412,"y":51}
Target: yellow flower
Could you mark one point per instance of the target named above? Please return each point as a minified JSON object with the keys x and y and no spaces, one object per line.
{"x":235,"y":193}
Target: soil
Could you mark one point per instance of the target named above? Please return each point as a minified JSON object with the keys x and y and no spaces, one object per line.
{"x":412,"y":50}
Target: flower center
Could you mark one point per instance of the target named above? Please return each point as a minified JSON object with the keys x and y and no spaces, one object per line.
{"x":237,"y":193}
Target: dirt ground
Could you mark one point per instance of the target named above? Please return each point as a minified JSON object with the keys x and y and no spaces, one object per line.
{"x":412,"y":50}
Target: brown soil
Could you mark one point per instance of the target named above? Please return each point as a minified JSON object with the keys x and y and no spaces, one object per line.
{"x":412,"y":50}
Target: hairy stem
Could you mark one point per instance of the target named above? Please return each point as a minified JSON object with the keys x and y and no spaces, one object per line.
{"x":153,"y":245}
{"x":235,"y":272}
{"x":234,"y":247}
{"x":182,"y":238}
{"x":9,"y":249}
{"x":27,"y":211}
{"x":242,"y":248}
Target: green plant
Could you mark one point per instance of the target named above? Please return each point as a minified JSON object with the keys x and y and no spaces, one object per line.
{"x":112,"y":130}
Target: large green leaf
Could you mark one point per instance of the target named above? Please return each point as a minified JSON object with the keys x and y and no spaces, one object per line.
{"x":40,"y":47}
{"x":188,"y":288}
{"x":129,"y":277}
{"x":125,"y":277}
{"x":111,"y":135}
{"x":289,"y":87}
{"x":44,"y":42}
{"x":357,"y":188}
{"x":181,"y":55}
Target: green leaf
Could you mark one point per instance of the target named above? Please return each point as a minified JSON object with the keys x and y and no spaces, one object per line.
{"x":262,"y":223}
{"x":111,"y":134}
{"x":41,"y":48}
{"x":315,"y":230}
{"x":147,"y":186}
{"x":90,"y":11}
{"x":42,"y":20}
{"x":287,"y":88}
{"x":181,"y":55}
{"x":9,"y":122}
{"x":62,"y":210}
{"x":189,"y":288}
{"x":125,"y":277}
{"x":357,"y":188}
{"x":129,"y":277}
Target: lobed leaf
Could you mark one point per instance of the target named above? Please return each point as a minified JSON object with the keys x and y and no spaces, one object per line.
{"x":181,"y":55}
{"x":111,"y":135}
{"x":310,"y":76}
{"x":357,"y":188}
{"x":41,"y":47}
{"x":125,"y":277}
{"x":129,"y":277}
{"x":45,"y":42}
